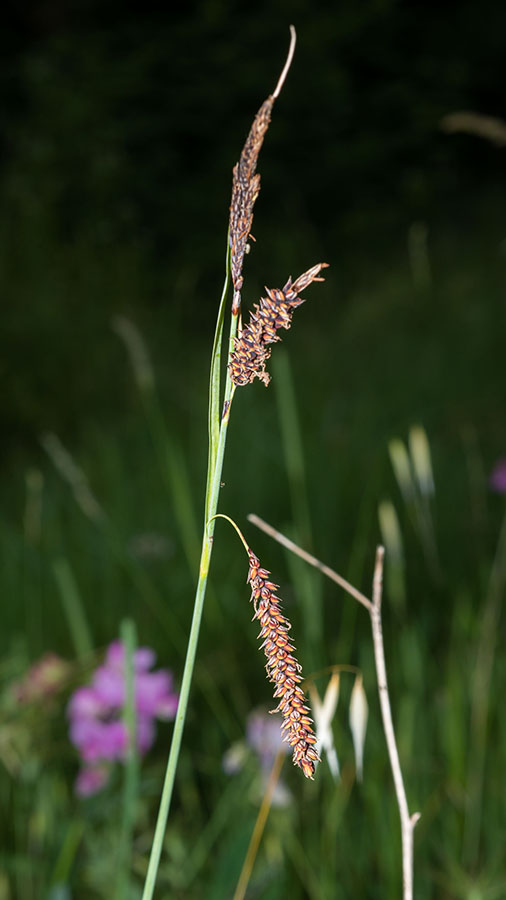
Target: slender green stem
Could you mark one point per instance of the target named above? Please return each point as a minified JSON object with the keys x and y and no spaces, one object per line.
{"x":214,"y":421}
{"x":258,"y":830}
{"x":236,"y":528}
{"x":67,"y":855}
{"x":216,"y":455}
{"x":131,"y":779}
{"x":480,"y":701}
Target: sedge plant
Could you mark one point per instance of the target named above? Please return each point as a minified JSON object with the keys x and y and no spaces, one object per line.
{"x":247,"y":351}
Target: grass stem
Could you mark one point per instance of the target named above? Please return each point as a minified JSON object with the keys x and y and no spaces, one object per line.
{"x":131,"y":778}
{"x":258,"y":830}
{"x":215,"y":468}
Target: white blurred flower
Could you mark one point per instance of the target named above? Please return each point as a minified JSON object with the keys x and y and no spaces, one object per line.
{"x":264,"y":735}
{"x":234,"y":758}
{"x":323,"y":715}
{"x":421,"y":458}
{"x":359,"y":712}
{"x":390,"y":531}
{"x":401,"y":465}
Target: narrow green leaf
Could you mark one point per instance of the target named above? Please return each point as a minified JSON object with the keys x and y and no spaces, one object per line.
{"x":73,"y":608}
{"x":131,"y":775}
{"x":214,"y":383}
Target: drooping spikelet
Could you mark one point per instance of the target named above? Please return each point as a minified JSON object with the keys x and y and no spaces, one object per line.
{"x":282,"y":667}
{"x":245,"y":190}
{"x":250,"y":353}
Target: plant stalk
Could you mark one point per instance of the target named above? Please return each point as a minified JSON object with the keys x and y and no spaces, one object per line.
{"x":211,"y":506}
{"x":131,"y":776}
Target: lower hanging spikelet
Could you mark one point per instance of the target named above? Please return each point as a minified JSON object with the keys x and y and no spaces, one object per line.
{"x":251,"y":350}
{"x":282,"y":668}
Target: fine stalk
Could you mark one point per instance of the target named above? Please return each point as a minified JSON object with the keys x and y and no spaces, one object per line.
{"x":245,"y":189}
{"x":217,"y":440}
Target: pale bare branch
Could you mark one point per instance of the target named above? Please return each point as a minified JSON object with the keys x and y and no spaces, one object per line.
{"x":309,"y":558}
{"x":407,"y":822}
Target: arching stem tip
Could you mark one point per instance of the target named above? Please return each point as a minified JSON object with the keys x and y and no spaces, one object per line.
{"x":288,"y":63}
{"x":234,"y":525}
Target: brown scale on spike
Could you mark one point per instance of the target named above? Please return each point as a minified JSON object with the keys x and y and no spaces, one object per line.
{"x":245,"y":190}
{"x":251,"y":350}
{"x":282,"y":668}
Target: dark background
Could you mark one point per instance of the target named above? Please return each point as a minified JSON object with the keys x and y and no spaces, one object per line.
{"x":119,"y":128}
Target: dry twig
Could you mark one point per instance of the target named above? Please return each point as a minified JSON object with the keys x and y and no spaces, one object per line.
{"x":488,"y":127}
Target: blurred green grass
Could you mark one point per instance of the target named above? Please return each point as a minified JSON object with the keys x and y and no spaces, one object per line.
{"x":370,"y":354}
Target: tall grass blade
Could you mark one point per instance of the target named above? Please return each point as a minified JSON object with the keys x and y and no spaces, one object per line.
{"x":32,"y":518}
{"x":307,"y":583}
{"x":171,"y":461}
{"x":214,"y":412}
{"x":391,"y":536}
{"x":292,"y":446}
{"x":215,"y":460}
{"x":258,"y":830}
{"x":131,"y":776}
{"x":73,"y":608}
{"x":480,"y":701}
{"x":63,"y":866}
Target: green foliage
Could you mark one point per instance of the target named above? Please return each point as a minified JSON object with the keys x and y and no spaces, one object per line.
{"x":333,"y":837}
{"x":119,"y":139}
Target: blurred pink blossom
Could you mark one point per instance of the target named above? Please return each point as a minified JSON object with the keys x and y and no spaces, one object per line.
{"x":497,"y":480}
{"x":264,"y":737}
{"x":95,"y":713}
{"x":91,"y":780}
{"x":43,"y":679}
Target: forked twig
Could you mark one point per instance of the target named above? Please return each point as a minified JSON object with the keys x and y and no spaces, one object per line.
{"x":408,"y":821}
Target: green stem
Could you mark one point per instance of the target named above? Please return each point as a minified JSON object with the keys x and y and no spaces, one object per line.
{"x":256,"y":837}
{"x":212,"y":496}
{"x":131,"y":778}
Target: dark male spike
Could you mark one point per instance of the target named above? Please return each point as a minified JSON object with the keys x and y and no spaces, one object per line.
{"x":246,"y":183}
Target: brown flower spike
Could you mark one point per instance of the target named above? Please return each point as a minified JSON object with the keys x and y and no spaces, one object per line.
{"x":250,"y":353}
{"x":245,"y":190}
{"x":246,"y":183}
{"x":282,"y":668}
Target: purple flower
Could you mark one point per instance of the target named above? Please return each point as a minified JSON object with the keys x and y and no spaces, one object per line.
{"x":95,"y":713}
{"x":497,"y":479}
{"x":91,"y":779}
{"x":263,"y":736}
